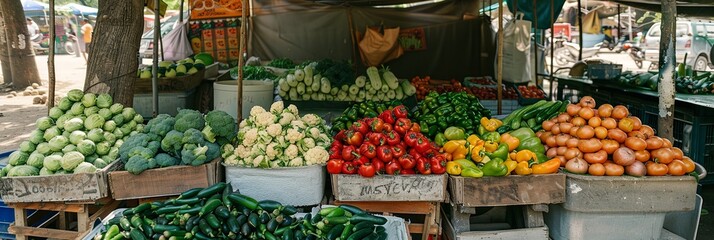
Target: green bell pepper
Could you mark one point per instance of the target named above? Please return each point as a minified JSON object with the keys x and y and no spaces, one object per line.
{"x":473,"y":172}
{"x":440,"y":139}
{"x":454,"y":133}
{"x":541,"y":157}
{"x":494,"y":168}
{"x":523,"y":133}
{"x":501,"y":152}
{"x":533,"y":144}
{"x":429,"y":119}
{"x":444,"y":110}
{"x":491,"y":136}
{"x":425,"y":127}
{"x":351,"y":114}
{"x":482,"y":130}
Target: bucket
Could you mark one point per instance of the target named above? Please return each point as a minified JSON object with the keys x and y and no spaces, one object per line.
{"x":255,"y":93}
{"x":280,"y":184}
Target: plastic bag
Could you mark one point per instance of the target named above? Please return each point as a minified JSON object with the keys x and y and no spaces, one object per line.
{"x":516,"y":51}
{"x":376,"y":48}
{"x":176,"y":43}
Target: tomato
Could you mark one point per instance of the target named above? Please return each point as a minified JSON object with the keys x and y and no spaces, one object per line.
{"x":637,"y":134}
{"x":626,"y":125}
{"x":438,"y":164}
{"x":377,"y":125}
{"x":612,"y":169}
{"x":642,"y":155}
{"x":398,"y":151}
{"x":393,"y":168}
{"x":573,"y":109}
{"x":349,"y":153}
{"x":572,"y":153}
{"x":609,"y":145}
{"x":635,"y":143}
{"x":422,"y":145}
{"x":656,"y":169}
{"x":407,"y":161}
{"x":620,"y":112}
{"x":572,"y":142}
{"x":423,"y":166}
{"x":654,"y":143}
{"x":596,"y":157}
{"x":609,"y":123}
{"x":578,"y":121}
{"x":348,"y":168}
{"x":368,"y":150}
{"x":596,"y":169}
{"x":411,"y":139}
{"x":400,"y":111}
{"x":663,"y":155}
{"x":667,"y":143}
{"x":617,"y":135}
{"x":361,"y":160}
{"x":587,"y":102}
{"x":577,"y":165}
{"x":334,"y":166}
{"x":605,"y":110}
{"x":586,"y":113}
{"x":378,"y":165}
{"x":637,"y":123}
{"x":547,"y":125}
{"x":676,"y":168}
{"x":360,"y":126}
{"x":590,"y":145}
{"x":378,"y":139}
{"x":354,"y":138}
{"x":384,"y":153}
{"x":689,"y":165}
{"x":624,"y":156}
{"x":601,"y":132}
{"x":392,"y":138}
{"x":402,"y":126}
{"x":678,"y":154}
{"x":367,"y":170}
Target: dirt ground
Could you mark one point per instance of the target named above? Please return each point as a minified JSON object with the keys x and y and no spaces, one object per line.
{"x":18,"y":114}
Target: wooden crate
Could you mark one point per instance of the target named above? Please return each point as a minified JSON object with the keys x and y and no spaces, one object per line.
{"x":430,"y":188}
{"x":510,"y":190}
{"x":82,"y":210}
{"x":161,"y":182}
{"x":183,"y":83}
{"x":430,"y":210}
{"x":57,"y":188}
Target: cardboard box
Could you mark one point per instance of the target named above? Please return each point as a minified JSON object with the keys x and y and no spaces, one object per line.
{"x":160,"y":182}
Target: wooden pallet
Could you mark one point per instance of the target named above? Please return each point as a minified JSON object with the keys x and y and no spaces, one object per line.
{"x":82,"y":209}
{"x":430,"y":210}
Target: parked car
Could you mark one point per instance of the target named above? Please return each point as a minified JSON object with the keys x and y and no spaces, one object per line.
{"x":146,"y":47}
{"x":694,"y":38}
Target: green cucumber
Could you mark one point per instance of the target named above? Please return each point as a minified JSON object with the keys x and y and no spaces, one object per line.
{"x":244,"y":201}
{"x":205,"y":228}
{"x":136,"y":234}
{"x":289,"y":210}
{"x":346,"y":231}
{"x":233,"y":224}
{"x":213,"y":221}
{"x":337,"y":212}
{"x":227,"y":191}
{"x":186,"y":201}
{"x":269,"y":205}
{"x":361,"y":234}
{"x":272,"y":225}
{"x":210,"y":191}
{"x":162,"y":228}
{"x":141,"y":208}
{"x":352,"y":209}
{"x":253,"y":220}
{"x":125,"y":224}
{"x":335,"y":220}
{"x":210,"y":206}
{"x":362,"y":225}
{"x":368,"y":217}
{"x":335,"y":232}
{"x":192,"y":211}
{"x":222,"y":212}
{"x":189,"y":193}
{"x":170,"y":209}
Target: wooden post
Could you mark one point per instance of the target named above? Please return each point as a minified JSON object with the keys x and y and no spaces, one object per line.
{"x":618,"y":25}
{"x":535,"y":42}
{"x":499,"y":63}
{"x":552,"y":48}
{"x":4,"y":52}
{"x":580,"y":31}
{"x":667,"y":65}
{"x":155,"y":65}
{"x":51,"y":59}
{"x":241,"y":58}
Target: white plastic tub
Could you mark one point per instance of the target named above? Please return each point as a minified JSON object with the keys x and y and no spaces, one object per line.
{"x":169,"y":103}
{"x":255,"y":93}
{"x":298,"y":186}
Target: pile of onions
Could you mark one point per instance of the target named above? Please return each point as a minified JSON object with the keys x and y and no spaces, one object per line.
{"x":609,"y":141}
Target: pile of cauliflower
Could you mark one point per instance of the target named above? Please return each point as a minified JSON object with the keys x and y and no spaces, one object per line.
{"x":279,"y":138}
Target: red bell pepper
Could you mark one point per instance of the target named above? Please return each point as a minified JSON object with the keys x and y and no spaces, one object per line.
{"x":367,"y":170}
{"x":393,"y":138}
{"x":403,"y":125}
{"x":334,"y":166}
{"x":400,"y":111}
{"x":368,"y":150}
{"x":349,"y":153}
{"x":388,"y":116}
{"x":348,"y":168}
{"x":384,"y":153}
{"x":393,"y":168}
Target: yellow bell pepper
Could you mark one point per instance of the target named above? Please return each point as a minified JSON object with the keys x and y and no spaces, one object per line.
{"x":453,"y":168}
{"x":511,"y":141}
{"x":453,"y":145}
{"x":473,"y":140}
{"x":523,"y":169}
{"x":490,"y":124}
{"x":490,"y":146}
{"x":525,"y":156}
{"x":476,"y":152}
{"x":511,"y":165}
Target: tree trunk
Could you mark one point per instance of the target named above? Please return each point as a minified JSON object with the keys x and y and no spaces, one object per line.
{"x":113,"y":58}
{"x":22,"y":58}
{"x":4,"y":55}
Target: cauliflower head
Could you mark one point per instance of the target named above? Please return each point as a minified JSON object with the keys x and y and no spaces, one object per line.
{"x":272,"y":151}
{"x":251,"y":136}
{"x":264,"y":119}
{"x":296,"y":162}
{"x":292,"y":109}
{"x":274,"y":129}
{"x":294,"y":135}
{"x":314,"y":132}
{"x":277,"y":107}
{"x":292,"y":151}
{"x":316,"y":155}
{"x":298,"y":124}
{"x":286,"y":118}
{"x":255,"y":110}
{"x":312,"y":120}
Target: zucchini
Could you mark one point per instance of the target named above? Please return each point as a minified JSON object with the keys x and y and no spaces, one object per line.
{"x":289,"y":235}
{"x":269,"y":236}
{"x":136,"y":222}
{"x":212,"y":221}
{"x":111,"y":232}
{"x":241,"y":219}
{"x":136,"y":234}
{"x":128,"y":212}
{"x":125,"y":224}
{"x":542,"y":106}
{"x":269,"y":205}
{"x":170,"y":209}
{"x":205,"y":228}
{"x":233,"y":224}
{"x":222,"y":212}
{"x":192,"y":211}
{"x":201,"y":236}
{"x":346,"y":231}
{"x":245,"y":201}
{"x":352,"y":209}
{"x":186,"y":201}
{"x":272,"y":225}
{"x":361,"y":234}
{"x":264,"y":217}
{"x":189,"y":193}
{"x":141,"y":208}
{"x":245,"y":230}
{"x":210,"y":191}
{"x":335,"y":232}
{"x":335,"y":220}
{"x":163,"y":228}
{"x":192,"y":221}
{"x":369,"y":218}
{"x":253,"y":220}
{"x":209,"y":206}
{"x":289,"y":210}
{"x":362,"y":225}
{"x":227,"y":191}
{"x":337,"y":212}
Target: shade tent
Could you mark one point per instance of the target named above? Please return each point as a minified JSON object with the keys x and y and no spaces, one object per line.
{"x":29,"y":5}
{"x":78,"y":9}
{"x":688,"y":8}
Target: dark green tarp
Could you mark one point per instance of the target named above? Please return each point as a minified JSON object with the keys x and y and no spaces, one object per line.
{"x":542,"y":10}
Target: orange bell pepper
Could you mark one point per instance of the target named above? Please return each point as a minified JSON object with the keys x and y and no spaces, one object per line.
{"x":548,"y":167}
{"x":511,"y":141}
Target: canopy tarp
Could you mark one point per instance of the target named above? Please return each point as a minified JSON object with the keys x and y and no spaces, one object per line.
{"x":79,"y":9}
{"x":29,"y":5}
{"x":542,"y":10}
{"x":690,"y":8}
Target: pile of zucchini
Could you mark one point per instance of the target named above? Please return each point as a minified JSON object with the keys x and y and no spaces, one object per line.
{"x":217,"y":212}
{"x":532,"y":116}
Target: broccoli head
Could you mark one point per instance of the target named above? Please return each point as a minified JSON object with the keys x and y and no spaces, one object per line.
{"x":189,"y":119}
{"x":162,"y":124}
{"x":165,"y":160}
{"x":138,"y":164}
{"x":213,"y":152}
{"x":172,"y":142}
{"x":138,"y":140}
{"x":193,"y":154}
{"x":220,"y":124}
{"x":192,"y":136}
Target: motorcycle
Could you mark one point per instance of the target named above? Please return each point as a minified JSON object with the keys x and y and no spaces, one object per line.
{"x":37,"y":44}
{"x":636,"y":53}
{"x":68,"y":47}
{"x":569,"y":53}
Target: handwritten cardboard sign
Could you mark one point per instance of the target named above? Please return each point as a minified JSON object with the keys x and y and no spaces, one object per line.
{"x":389,"y":188}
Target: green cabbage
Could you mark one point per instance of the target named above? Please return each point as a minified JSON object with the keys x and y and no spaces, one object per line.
{"x":91,"y":110}
{"x":56,"y":112}
{"x":110,"y":126}
{"x":61,"y":120}
{"x":23,"y":171}
{"x":73,"y":124}
{"x":27,"y":146}
{"x":69,"y":148}
{"x":45,"y":172}
{"x":94,"y":121}
{"x":113,"y":154}
{"x":77,"y":136}
{"x":35,"y":160}
{"x":103,"y":148}
{"x":85,"y":167}
{"x":86,"y":147}
{"x":100,"y":163}
{"x":51,"y":133}
{"x":58,"y":142}
{"x":128,"y":113}
{"x":44,"y":123}
{"x":104,"y":100}
{"x":65,"y":104}
{"x":71,"y":160}
{"x":77,"y":109}
{"x":52,"y":162}
{"x":96,"y":135}
{"x":75,"y":95}
{"x":118,"y":133}
{"x":89,"y":99}
{"x":105,"y":113}
{"x":91,"y":158}
{"x":36,"y":136}
{"x":138,"y":118}
{"x":43,"y":148}
{"x":118,"y":119}
{"x":116,"y":108}
{"x":18,"y":158}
